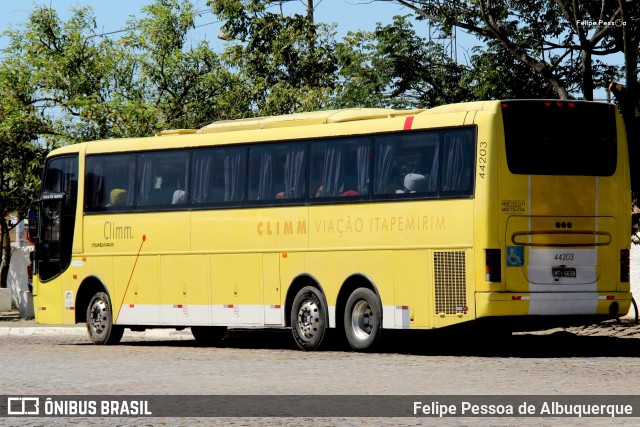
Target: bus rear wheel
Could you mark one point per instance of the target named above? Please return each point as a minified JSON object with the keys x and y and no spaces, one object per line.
{"x":308,"y":318}
{"x":362,"y":319}
{"x":208,"y":335}
{"x":100,"y":321}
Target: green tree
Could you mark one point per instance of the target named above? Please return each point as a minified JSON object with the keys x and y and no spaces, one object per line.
{"x":561,"y":42}
{"x":69,"y":69}
{"x":161,"y":81}
{"x":494,"y":73}
{"x":394,"y":67}
{"x":288,"y":62}
{"x":52,"y":81}
{"x":22,"y":153}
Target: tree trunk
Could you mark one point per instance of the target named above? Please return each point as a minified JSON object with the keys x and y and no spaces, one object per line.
{"x":587,"y":74}
{"x":6,"y":253}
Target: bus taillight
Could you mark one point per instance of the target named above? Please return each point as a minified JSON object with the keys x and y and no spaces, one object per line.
{"x":494,"y":266}
{"x":624,"y":265}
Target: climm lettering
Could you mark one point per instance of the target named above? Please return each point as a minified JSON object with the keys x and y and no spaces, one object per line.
{"x":271,"y":228}
{"x":113,"y":231}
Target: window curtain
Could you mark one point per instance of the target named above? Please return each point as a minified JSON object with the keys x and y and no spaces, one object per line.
{"x":457,"y":163}
{"x":384,"y":162}
{"x":146,"y":182}
{"x":201,"y":179}
{"x":97,"y":187}
{"x":432,"y":185}
{"x":265,"y":183}
{"x":364,"y":166}
{"x":332,"y":176}
{"x":233,"y":173}
{"x":131,"y":186}
{"x":294,"y":170}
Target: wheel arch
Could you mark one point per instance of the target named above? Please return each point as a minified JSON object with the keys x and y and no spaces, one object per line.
{"x":352,"y":283}
{"x":86,"y":291}
{"x":298,"y":283}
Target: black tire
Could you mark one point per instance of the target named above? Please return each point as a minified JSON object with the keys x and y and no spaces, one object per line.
{"x":362,"y":319}
{"x":208,"y":335}
{"x":100,"y":325}
{"x":308,"y":318}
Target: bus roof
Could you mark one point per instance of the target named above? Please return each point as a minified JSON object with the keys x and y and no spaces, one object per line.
{"x":274,"y":122}
{"x":304,"y":119}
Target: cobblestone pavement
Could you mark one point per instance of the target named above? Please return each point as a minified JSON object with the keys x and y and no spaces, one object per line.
{"x":601,"y":359}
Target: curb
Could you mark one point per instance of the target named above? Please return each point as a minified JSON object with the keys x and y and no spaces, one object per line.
{"x":40,"y":331}
{"x":81,"y":332}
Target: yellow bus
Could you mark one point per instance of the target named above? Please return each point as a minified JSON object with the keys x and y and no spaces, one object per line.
{"x":355,"y":219}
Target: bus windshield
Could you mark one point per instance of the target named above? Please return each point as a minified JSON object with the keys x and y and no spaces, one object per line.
{"x":560,"y":138}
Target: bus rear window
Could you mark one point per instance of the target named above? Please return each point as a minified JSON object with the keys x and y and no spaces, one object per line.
{"x":560,"y":138}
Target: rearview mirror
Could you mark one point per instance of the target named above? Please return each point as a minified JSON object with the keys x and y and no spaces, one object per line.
{"x":32,"y":230}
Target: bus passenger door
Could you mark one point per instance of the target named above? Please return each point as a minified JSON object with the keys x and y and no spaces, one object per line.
{"x":273,"y":310}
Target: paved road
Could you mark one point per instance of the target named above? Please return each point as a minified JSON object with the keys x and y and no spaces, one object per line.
{"x":597,"y":360}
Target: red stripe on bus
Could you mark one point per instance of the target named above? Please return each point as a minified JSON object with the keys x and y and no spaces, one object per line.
{"x":408,"y":123}
{"x":144,"y":238}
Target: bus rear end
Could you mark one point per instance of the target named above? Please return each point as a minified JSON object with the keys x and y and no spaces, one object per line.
{"x":563,"y":213}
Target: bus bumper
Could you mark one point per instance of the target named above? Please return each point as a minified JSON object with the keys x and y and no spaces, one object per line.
{"x":605,"y":304}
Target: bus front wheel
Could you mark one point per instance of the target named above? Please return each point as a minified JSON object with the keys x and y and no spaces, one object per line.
{"x":362,"y":319}
{"x":100,"y":321}
{"x":308,"y":318}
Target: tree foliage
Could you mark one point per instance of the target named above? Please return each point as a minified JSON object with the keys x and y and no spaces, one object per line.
{"x":561,"y":42}
{"x":175,"y":84}
{"x":287,"y":61}
{"x":393,"y":66}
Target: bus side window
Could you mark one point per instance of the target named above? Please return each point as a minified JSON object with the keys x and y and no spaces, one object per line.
{"x":160,"y":176}
{"x":407,"y":164}
{"x":110,"y":182}
{"x":218,"y":175}
{"x":340,"y":167}
{"x":458,"y":162}
{"x":277,"y":171}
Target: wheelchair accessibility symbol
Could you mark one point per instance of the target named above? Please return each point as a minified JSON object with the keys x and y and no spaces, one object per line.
{"x":515,"y":256}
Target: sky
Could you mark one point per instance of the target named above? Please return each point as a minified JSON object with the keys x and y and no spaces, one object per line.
{"x":112,"y":15}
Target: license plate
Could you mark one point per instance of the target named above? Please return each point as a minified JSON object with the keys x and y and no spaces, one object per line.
{"x":563,"y":272}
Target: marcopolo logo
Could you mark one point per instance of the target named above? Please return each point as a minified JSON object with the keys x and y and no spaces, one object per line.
{"x":23,"y":406}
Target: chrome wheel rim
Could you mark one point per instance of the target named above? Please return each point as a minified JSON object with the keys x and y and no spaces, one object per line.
{"x":361,"y":317}
{"x":308,"y":319}
{"x":99,"y":317}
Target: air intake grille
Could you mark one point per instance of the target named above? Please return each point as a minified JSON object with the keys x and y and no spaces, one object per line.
{"x":450,"y":282}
